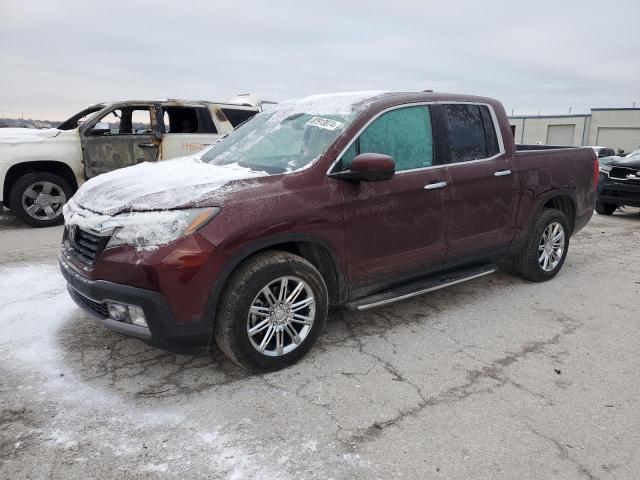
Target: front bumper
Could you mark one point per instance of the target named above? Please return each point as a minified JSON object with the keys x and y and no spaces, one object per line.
{"x":619,"y":192}
{"x":163,"y":330}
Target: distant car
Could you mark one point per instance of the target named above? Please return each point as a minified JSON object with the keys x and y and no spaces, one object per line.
{"x":602,"y":152}
{"x":634,"y":153}
{"x":40,"y":169}
{"x":619,"y":183}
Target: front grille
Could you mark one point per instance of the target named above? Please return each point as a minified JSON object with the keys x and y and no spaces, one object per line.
{"x":85,"y":246}
{"x":625,"y":173}
{"x":97,"y":308}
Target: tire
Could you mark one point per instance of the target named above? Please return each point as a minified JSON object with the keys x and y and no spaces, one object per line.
{"x":245,"y":290}
{"x":529,"y":264}
{"x":606,"y":208}
{"x":22,"y":200}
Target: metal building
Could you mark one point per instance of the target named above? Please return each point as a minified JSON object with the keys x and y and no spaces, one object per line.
{"x":618,"y":128}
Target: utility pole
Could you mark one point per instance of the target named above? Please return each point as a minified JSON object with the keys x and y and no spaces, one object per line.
{"x":569,"y":110}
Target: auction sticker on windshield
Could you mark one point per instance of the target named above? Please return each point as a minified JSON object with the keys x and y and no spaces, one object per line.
{"x":325,"y":123}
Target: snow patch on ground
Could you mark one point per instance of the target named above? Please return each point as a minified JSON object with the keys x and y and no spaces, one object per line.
{"x":24,"y":321}
{"x":83,"y":418}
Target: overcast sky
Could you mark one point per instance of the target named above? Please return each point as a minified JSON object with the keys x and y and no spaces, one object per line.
{"x":58,"y":56}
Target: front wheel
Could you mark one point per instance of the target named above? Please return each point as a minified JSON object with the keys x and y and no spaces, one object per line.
{"x":605,"y":208}
{"x":272,"y":311}
{"x":37,"y":198}
{"x":546,"y":247}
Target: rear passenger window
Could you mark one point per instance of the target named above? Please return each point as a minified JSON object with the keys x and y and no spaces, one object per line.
{"x":472,"y":133}
{"x":466,"y":133}
{"x":404,"y":134}
{"x":184,"y":120}
{"x":238,"y":117}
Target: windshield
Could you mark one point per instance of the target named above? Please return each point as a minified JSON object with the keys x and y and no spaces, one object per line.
{"x":73,"y":122}
{"x":277,"y":145}
{"x":290,"y":136}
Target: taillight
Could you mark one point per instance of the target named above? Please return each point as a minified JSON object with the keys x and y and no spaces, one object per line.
{"x":596,"y":173}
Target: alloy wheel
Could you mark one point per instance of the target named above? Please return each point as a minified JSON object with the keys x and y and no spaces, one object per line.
{"x":281,"y":316}
{"x":43,"y":200}
{"x":551,"y":247}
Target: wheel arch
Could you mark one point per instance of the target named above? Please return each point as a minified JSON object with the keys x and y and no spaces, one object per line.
{"x":313,"y":248}
{"x":563,"y":201}
{"x":50,"y":166}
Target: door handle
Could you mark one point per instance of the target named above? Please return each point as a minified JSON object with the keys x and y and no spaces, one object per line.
{"x":502,"y":173}
{"x":147,"y":145}
{"x":433,"y":186}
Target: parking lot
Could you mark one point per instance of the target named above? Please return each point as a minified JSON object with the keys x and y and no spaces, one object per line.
{"x":495,"y":378}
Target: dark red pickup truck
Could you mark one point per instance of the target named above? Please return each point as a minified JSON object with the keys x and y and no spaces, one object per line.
{"x":358,"y":199}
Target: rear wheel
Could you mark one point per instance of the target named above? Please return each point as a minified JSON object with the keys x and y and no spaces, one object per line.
{"x":606,"y":208}
{"x":546,"y":247}
{"x":37,"y":198}
{"x":272,"y":311}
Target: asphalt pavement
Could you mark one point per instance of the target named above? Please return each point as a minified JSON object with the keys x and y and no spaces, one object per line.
{"x":496,"y":378}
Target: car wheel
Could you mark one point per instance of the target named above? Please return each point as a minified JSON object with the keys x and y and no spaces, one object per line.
{"x":37,"y":198}
{"x":546,"y":247}
{"x":273,"y":309}
{"x":606,"y":208}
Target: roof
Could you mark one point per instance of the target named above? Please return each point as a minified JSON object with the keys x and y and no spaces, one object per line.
{"x":574,"y":115}
{"x":612,"y":109}
{"x":388,"y":99}
{"x":170,"y":101}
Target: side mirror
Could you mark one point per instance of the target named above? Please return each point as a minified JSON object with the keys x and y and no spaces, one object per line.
{"x":100,"y":128}
{"x":369,"y":167}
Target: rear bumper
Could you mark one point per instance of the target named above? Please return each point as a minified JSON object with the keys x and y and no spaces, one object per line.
{"x":618,"y":192}
{"x":163,"y":330}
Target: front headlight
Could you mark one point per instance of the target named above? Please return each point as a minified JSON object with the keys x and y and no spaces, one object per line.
{"x":605,"y":168}
{"x":150,"y":229}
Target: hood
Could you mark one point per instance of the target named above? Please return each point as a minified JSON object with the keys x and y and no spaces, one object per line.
{"x":629,"y":162}
{"x":26,"y":135}
{"x":167,"y":185}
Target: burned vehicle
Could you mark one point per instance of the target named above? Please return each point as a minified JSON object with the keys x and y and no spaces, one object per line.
{"x":41,"y":169}
{"x":354,"y":199}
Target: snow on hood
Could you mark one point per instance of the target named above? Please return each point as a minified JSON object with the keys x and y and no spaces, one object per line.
{"x":26,"y":135}
{"x":166,"y":185}
{"x":146,"y":202}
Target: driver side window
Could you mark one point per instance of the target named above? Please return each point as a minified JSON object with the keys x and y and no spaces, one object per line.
{"x":405,"y":134}
{"x":113,"y":120}
{"x":124,"y":121}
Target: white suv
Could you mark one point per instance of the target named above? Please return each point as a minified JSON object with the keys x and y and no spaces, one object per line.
{"x":41,"y":169}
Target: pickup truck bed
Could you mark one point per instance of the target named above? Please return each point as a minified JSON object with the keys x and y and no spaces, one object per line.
{"x":545,"y":171}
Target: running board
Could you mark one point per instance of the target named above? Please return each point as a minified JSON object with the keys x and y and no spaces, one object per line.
{"x":421,"y":287}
